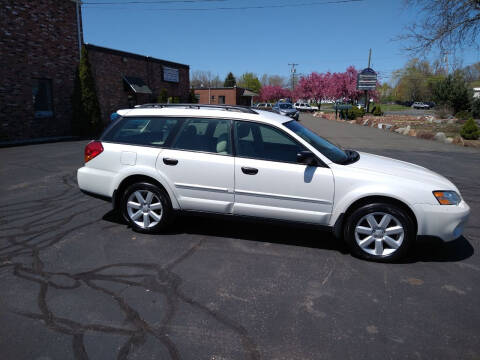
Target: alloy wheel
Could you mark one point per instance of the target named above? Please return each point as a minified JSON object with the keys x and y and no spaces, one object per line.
{"x":144,"y":208}
{"x":379,"y":234}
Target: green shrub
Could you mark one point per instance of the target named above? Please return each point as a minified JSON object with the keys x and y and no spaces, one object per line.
{"x":86,"y":119}
{"x":192,"y":99}
{"x":356,"y":112}
{"x":463,"y":115}
{"x":377,"y":111}
{"x":352,"y":113}
{"x":163,"y":97}
{"x":470,"y":130}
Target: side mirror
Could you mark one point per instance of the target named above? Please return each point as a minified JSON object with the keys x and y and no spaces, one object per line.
{"x":307,"y":157}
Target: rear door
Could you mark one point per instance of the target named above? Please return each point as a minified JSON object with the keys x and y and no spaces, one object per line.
{"x":269,"y":182}
{"x":201,"y":166}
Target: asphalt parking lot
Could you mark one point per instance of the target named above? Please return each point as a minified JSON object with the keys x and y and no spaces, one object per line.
{"x":78,"y":284}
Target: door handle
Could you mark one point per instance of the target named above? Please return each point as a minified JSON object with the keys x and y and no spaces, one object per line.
{"x":249,"y":170}
{"x":171,"y":162}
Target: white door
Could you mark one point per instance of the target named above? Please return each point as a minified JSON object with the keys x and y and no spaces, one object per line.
{"x":201,"y":166}
{"x":269,"y":182}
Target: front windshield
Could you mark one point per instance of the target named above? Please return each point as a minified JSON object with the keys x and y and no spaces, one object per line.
{"x":332,"y":152}
{"x":285,"y":106}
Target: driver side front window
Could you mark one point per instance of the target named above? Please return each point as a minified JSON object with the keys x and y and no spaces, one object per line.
{"x":265,"y":142}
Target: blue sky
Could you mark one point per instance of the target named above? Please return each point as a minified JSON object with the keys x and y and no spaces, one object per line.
{"x":323,"y":37}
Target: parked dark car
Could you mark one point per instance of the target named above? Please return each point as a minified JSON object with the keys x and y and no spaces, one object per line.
{"x":287,"y":109}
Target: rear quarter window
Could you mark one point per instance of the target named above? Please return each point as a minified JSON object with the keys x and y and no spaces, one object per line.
{"x":152,"y":131}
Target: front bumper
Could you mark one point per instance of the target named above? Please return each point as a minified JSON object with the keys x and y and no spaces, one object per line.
{"x":444,"y":221}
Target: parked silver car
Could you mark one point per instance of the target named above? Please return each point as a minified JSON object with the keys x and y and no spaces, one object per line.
{"x":287,"y":109}
{"x":420,"y":105}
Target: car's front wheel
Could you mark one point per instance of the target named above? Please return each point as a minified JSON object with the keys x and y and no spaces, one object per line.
{"x":146,"y":207}
{"x":379,"y":232}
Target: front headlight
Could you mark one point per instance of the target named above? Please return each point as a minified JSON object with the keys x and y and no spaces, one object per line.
{"x":447,"y":197}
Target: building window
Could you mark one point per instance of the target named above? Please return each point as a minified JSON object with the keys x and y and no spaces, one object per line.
{"x":221,"y":99}
{"x":42,"y":98}
{"x":213,"y":97}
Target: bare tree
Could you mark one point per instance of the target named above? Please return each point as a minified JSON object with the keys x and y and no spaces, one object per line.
{"x":472,"y":72}
{"x":216,"y":82}
{"x":200,"y":78}
{"x":446,"y":25}
{"x":273,"y":80}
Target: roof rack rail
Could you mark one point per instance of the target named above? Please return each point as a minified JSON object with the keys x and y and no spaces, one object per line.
{"x":243,"y":109}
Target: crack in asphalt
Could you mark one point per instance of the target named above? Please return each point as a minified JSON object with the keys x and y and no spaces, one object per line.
{"x":21,"y":239}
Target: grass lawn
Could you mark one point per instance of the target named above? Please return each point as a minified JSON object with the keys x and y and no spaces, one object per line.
{"x":394,"y":107}
{"x":327,"y":107}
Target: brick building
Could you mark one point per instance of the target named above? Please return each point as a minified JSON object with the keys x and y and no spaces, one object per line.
{"x":124,"y":79}
{"x":39,"y":45}
{"x":39,"y":53}
{"x":228,"y":96}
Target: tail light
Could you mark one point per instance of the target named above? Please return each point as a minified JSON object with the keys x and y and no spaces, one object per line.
{"x":92,"y":150}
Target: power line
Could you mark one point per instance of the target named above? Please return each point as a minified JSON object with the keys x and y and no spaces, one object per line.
{"x":91,"y":4}
{"x":148,"y":2}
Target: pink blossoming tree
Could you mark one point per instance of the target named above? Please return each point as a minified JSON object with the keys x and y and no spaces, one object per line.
{"x":274,"y":93}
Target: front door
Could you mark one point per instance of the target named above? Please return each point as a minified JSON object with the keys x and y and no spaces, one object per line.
{"x":201,"y":166}
{"x":269,"y":182}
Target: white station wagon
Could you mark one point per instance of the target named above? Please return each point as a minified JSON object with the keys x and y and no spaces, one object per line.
{"x":157,"y":159}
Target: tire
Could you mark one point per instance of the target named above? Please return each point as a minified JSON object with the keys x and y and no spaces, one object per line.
{"x":146,"y":207}
{"x":379,"y":232}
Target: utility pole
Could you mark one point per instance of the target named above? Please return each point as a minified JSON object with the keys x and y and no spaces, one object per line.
{"x":446,"y":63}
{"x":293,"y":75}
{"x":79,"y":33}
{"x":367,"y":102}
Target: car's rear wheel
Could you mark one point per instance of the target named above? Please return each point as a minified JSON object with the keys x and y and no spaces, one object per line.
{"x":146,"y":207}
{"x":379,"y":232}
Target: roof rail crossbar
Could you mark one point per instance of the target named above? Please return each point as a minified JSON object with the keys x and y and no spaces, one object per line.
{"x":243,"y":109}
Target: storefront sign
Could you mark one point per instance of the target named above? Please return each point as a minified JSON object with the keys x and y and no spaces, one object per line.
{"x":170,"y":74}
{"x":367,"y":79}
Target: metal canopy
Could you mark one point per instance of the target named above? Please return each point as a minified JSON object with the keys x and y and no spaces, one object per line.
{"x":137,"y":85}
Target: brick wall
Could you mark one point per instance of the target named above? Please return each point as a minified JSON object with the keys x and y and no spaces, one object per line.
{"x":110,"y":66}
{"x":229,"y":93}
{"x":38,"y":39}
{"x":233,"y":96}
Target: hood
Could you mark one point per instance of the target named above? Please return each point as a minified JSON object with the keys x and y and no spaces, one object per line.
{"x":402,"y":169}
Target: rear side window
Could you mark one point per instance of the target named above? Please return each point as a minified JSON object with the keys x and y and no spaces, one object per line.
{"x":154,"y":131}
{"x":206,"y":135}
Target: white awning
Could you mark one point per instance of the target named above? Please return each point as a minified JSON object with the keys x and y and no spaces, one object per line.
{"x":249,"y":93}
